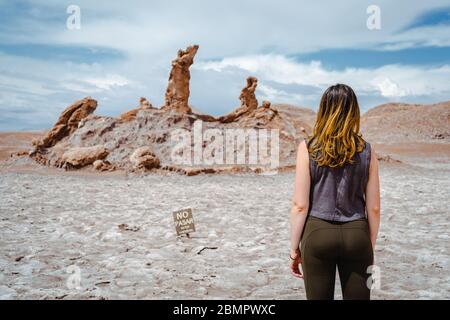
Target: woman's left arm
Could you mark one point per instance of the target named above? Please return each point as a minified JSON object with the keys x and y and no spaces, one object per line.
{"x":300,"y":205}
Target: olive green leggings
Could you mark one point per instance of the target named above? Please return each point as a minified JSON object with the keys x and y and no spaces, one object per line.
{"x":325,"y":245}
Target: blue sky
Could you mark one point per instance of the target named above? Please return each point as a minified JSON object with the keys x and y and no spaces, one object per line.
{"x":296,"y":49}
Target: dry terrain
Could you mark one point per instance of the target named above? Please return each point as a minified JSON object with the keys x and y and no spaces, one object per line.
{"x":55,"y":223}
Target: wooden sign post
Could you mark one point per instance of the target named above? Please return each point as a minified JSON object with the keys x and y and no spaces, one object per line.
{"x":184,"y":221}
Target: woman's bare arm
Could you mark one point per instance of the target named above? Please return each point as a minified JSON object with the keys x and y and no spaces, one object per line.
{"x":300,"y":204}
{"x":373,"y":198}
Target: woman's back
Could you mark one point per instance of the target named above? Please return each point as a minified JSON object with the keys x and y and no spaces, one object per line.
{"x":338,"y":193}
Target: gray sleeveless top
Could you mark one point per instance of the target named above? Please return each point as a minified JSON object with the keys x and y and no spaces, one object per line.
{"x":338,"y":194}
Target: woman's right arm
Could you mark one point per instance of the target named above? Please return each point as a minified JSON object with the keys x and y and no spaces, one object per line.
{"x":373,"y":198}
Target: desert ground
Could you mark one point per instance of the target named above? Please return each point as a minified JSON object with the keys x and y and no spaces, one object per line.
{"x":115,"y":233}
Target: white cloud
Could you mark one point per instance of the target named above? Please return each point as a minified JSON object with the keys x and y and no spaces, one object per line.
{"x":389,"y":80}
{"x":272,"y":67}
{"x":100,"y":83}
{"x":436,"y":36}
{"x":388,"y":88}
{"x":18,"y":84}
{"x":267,"y":92}
{"x":108,"y":82}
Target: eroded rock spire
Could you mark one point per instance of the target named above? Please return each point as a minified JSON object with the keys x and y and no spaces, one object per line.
{"x":248,"y":102}
{"x":177,"y":92}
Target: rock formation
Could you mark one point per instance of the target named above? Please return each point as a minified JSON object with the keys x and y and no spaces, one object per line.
{"x":144,"y":104}
{"x":249,"y":111}
{"x":248,"y":102}
{"x":141,"y":139}
{"x":266,"y":104}
{"x":265,"y":113}
{"x":144,"y":158}
{"x":103,"y":165}
{"x":78,"y":157}
{"x":177,"y":93}
{"x":67,"y":122}
{"x":247,"y":97}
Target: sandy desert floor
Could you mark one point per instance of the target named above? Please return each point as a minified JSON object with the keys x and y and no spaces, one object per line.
{"x":55,"y":227}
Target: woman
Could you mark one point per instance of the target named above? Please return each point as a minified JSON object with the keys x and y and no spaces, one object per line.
{"x":336,"y":206}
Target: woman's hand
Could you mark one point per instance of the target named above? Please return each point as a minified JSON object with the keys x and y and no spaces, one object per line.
{"x":296,"y":260}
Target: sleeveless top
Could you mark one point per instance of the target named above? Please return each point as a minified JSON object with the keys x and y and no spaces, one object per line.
{"x":338,"y":194}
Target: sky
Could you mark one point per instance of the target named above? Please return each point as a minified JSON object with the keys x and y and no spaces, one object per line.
{"x":122,"y":51}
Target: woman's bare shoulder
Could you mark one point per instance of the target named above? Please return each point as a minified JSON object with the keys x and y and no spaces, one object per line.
{"x":302,"y":150}
{"x":302,"y":146}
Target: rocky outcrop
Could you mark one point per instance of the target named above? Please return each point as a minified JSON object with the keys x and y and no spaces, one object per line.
{"x":144,"y":104}
{"x":248,"y":113}
{"x":142,"y":139}
{"x":265,"y":113}
{"x":144,"y":158}
{"x":78,"y":157}
{"x":247,"y":97}
{"x":177,"y":93}
{"x":103,"y":165}
{"x":67,"y":123}
{"x":248,"y":102}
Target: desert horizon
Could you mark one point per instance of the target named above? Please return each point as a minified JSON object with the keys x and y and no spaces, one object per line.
{"x":13,"y":143}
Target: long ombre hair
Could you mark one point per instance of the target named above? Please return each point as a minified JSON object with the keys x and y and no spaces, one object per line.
{"x":336,"y":137}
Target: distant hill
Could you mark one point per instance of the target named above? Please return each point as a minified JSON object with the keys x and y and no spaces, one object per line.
{"x":397,"y":123}
{"x":299,"y":115}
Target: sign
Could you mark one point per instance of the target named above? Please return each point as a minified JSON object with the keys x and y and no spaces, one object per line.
{"x":184,"y":222}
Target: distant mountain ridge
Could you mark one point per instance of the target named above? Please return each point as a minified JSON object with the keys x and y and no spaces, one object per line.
{"x":405,"y":123}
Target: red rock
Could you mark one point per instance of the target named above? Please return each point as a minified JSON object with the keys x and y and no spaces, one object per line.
{"x":247,"y":96}
{"x":144,"y":158}
{"x":103,"y":165}
{"x":177,"y":92}
{"x":78,"y":157}
{"x":248,"y":102}
{"x":67,"y":122}
{"x":144,"y":104}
